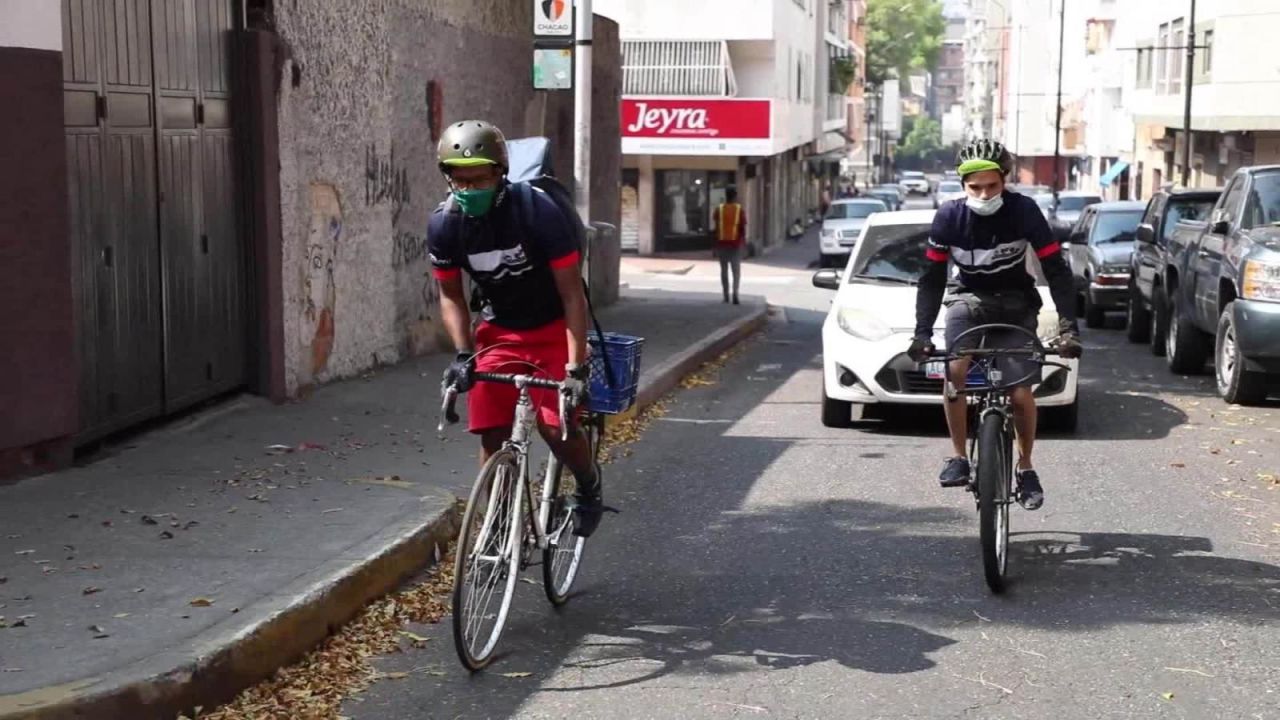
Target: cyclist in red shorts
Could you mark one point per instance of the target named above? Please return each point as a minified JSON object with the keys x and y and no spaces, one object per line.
{"x":532,"y":307}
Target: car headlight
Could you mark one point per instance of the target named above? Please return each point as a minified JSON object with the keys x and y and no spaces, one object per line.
{"x":1261,"y":280}
{"x":828,"y":233}
{"x":1047,"y":325}
{"x":862,"y":324}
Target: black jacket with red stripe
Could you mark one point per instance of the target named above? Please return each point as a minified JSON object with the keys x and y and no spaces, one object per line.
{"x":991,"y":255}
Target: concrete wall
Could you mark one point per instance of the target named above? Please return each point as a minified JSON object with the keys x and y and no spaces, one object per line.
{"x":358,"y":176}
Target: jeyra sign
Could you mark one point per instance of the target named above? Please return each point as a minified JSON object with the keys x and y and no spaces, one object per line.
{"x":553,"y":18}
{"x":695,"y":118}
{"x":696,"y":126}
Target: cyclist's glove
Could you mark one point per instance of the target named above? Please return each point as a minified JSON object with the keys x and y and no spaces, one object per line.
{"x":921,"y":348}
{"x":575,"y":383}
{"x":1069,"y":340}
{"x":461,"y":372}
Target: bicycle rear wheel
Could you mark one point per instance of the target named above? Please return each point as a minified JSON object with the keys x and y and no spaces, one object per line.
{"x":488,"y":560}
{"x":562,"y":557}
{"x":994,"y":468}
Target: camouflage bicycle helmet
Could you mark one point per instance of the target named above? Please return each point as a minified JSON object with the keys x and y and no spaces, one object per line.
{"x":983,"y":154}
{"x":470,"y":143}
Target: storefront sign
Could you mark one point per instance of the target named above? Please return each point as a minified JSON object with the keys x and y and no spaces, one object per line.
{"x":696,"y":126}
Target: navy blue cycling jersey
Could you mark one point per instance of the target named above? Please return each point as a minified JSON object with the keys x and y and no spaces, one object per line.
{"x":509,"y":254}
{"x":990,"y":253}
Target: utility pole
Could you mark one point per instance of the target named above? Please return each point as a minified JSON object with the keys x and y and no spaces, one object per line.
{"x":870,"y":118}
{"x":582,"y":110}
{"x":1186,"y":110}
{"x":1057,"y":115}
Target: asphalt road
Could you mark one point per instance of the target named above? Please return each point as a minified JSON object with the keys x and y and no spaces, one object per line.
{"x":765,"y":566}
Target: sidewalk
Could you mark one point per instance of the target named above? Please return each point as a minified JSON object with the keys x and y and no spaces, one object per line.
{"x":200,"y":557}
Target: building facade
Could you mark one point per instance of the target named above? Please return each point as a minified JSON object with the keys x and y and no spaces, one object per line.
{"x":1030,"y":89}
{"x":949,"y":79}
{"x":1235,"y":109}
{"x":719,"y":94}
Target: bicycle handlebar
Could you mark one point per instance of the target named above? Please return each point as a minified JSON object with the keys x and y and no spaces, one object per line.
{"x":1035,"y":351}
{"x":449,"y":414}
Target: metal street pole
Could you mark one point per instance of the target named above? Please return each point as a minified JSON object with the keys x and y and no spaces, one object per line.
{"x":1057,"y":115}
{"x":582,"y":110}
{"x":870,"y":117}
{"x":1186,"y":110}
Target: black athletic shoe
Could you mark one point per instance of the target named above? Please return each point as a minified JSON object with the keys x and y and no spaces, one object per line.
{"x":588,"y":506}
{"x":1030,"y":494}
{"x":955,"y":473}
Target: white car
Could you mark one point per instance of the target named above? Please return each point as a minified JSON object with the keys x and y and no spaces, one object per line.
{"x":914,"y":182}
{"x":948,"y":190}
{"x":872,"y":319}
{"x":841,"y":227}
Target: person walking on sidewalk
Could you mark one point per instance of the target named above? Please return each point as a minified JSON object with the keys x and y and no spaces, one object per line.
{"x":533,"y":310}
{"x":730,"y":228}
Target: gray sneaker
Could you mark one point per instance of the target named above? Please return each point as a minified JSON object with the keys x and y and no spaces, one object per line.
{"x":955,"y":473}
{"x":1030,"y":494}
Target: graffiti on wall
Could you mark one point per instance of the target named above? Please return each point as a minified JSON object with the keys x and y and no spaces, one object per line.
{"x":319,"y":291}
{"x":387,"y":182}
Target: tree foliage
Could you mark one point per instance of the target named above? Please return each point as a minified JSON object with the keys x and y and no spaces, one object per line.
{"x":902,"y":36}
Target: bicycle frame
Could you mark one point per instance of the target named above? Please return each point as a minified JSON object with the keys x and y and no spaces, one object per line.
{"x":522,"y":434}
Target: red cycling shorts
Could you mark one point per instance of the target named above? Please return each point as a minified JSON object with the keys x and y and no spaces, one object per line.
{"x":493,"y":405}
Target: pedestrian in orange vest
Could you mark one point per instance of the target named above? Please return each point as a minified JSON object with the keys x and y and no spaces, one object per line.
{"x":729,"y":222}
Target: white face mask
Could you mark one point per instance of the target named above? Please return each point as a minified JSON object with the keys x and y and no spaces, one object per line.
{"x":985,"y":207}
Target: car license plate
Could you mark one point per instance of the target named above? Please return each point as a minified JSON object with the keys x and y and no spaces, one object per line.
{"x":935,"y":370}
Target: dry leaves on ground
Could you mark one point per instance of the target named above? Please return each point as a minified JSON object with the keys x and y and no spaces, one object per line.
{"x":342,"y":665}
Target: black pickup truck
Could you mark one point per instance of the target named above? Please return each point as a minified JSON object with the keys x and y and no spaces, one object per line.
{"x":1220,"y":289}
{"x":1150,"y":261}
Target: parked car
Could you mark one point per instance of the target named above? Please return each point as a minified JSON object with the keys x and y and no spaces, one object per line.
{"x":947,"y":190}
{"x":841,"y":227}
{"x":951,"y":175}
{"x":1044,"y":201}
{"x":1064,"y":214}
{"x":914,"y":182}
{"x":1028,"y":189}
{"x":1222,"y":291}
{"x":872,"y":318}
{"x":1151,"y":260}
{"x":888,"y":193}
{"x":1099,"y":250}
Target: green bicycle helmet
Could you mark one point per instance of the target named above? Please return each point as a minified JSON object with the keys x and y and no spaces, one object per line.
{"x":470,"y":143}
{"x":983,"y":154}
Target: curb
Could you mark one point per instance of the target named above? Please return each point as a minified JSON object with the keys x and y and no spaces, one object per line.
{"x":211,"y":671}
{"x":661,"y":379}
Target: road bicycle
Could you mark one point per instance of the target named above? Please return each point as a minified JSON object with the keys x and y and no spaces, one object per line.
{"x":991,"y":433}
{"x":509,"y":519}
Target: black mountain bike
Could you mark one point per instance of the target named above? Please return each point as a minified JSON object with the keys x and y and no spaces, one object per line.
{"x":991,"y":433}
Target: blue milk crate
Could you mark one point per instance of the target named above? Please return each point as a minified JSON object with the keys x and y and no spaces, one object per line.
{"x":623,"y":352}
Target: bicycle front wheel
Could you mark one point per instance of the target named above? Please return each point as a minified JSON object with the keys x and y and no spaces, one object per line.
{"x":994,"y":468}
{"x":488,"y":560}
{"x":562,"y":557}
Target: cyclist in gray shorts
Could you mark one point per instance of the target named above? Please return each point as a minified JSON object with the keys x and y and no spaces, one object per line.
{"x":987,"y":235}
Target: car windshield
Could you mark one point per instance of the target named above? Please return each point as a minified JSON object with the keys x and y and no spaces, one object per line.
{"x":854,"y":210}
{"x":1044,"y":201}
{"x":912,"y":175}
{"x":1116,"y":227}
{"x":1197,"y":210}
{"x":1076,"y":203}
{"x":891,"y":252}
{"x":1263,"y":206}
{"x":896,"y":253}
{"x":947,"y":186}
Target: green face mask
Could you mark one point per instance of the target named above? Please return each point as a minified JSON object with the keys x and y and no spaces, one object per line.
{"x":475,"y":203}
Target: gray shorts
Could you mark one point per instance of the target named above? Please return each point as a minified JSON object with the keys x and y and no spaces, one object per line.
{"x":960,"y":318}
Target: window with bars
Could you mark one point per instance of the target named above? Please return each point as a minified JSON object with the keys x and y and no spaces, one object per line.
{"x":669,"y":67}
